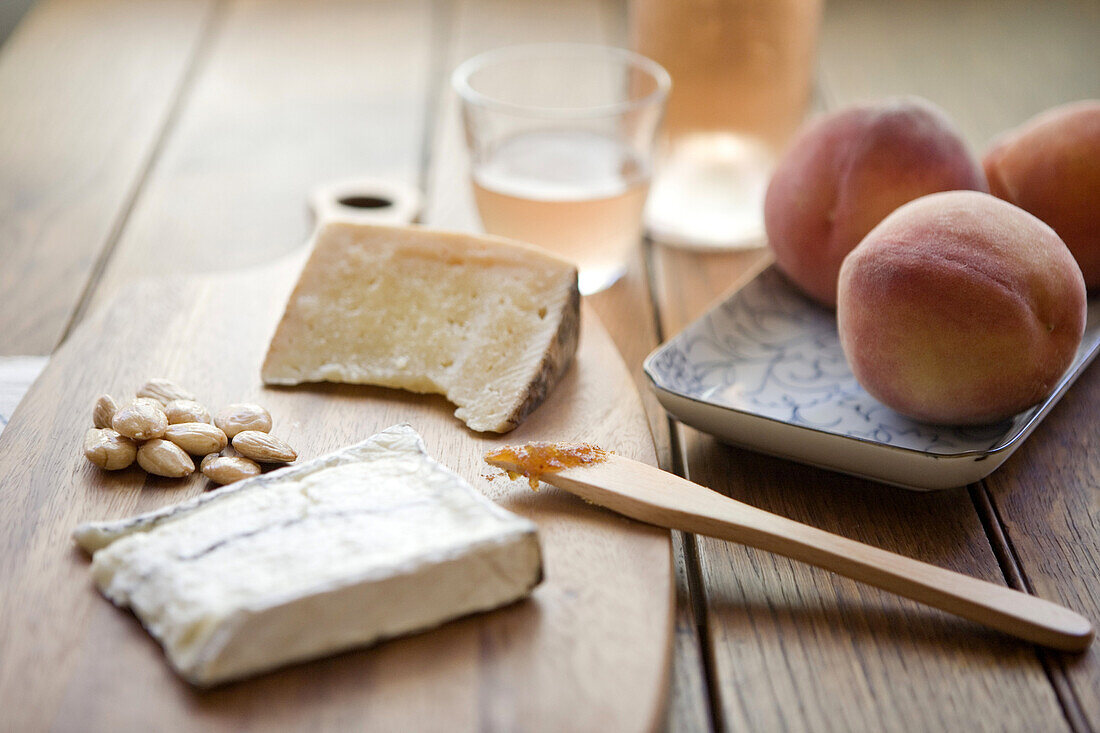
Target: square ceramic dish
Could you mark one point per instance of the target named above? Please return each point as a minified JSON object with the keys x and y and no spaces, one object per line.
{"x":764,"y":370}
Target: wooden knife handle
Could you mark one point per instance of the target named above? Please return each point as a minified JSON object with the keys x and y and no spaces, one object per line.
{"x":654,"y":496}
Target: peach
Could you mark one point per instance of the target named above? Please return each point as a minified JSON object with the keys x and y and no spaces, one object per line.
{"x":960,"y":308}
{"x":845,"y":172}
{"x":1050,"y":166}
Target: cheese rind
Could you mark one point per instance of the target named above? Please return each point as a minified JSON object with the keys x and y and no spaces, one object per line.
{"x":366,"y":543}
{"x":489,"y":323}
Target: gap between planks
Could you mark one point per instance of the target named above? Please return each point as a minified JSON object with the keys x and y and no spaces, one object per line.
{"x":443,"y":12}
{"x":689,"y":687}
{"x":199,"y":53}
{"x":696,"y":597}
{"x":1015,"y":576}
{"x":995,"y":530}
{"x":442,"y":19}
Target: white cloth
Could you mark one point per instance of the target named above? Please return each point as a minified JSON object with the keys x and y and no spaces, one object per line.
{"x":17,"y":374}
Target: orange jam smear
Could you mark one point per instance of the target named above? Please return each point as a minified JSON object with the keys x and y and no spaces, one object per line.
{"x":534,"y":460}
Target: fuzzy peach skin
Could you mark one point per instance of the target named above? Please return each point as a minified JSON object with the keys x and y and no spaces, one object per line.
{"x":960,"y":309}
{"x":846,"y":171}
{"x":1050,"y":166}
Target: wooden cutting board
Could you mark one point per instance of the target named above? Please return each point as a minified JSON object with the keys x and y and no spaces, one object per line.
{"x":589,"y":650}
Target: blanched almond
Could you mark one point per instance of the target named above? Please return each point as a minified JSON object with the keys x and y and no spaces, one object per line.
{"x":262,"y":447}
{"x":164,"y":391}
{"x":228,"y":469}
{"x":142,"y":419}
{"x":197,"y":438}
{"x":243,"y":416}
{"x":105,"y":409}
{"x":179,"y":411}
{"x":164,"y":458}
{"x":108,"y":450}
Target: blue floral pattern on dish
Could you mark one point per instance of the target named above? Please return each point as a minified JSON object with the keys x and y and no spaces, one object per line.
{"x":769,"y":351}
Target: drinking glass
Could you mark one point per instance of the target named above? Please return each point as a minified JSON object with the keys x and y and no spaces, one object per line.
{"x":742,"y":74}
{"x":561,"y":139}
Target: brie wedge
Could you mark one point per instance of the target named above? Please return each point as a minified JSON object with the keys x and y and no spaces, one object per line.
{"x":371,"y":541}
{"x":489,"y":323}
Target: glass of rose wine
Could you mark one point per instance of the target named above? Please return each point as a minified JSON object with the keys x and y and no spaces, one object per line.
{"x":561,"y":140}
{"x":742,"y":74}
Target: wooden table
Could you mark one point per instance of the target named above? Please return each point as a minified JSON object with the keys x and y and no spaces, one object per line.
{"x":181,"y":135}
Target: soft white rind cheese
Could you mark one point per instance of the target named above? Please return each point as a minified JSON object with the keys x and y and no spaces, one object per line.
{"x":491,"y":324}
{"x":366,"y":543}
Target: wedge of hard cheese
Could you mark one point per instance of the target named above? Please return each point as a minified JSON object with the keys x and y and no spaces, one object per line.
{"x":491,"y":324}
{"x":369,"y":542}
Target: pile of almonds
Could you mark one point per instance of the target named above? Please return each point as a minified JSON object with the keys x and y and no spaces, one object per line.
{"x":163,"y":427}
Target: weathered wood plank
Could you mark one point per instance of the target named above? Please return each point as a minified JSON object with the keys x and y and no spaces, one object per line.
{"x":797,"y":648}
{"x":1048,"y":498}
{"x":991,"y":66}
{"x":587,"y":651}
{"x":86,"y":88}
{"x":290,"y":96}
{"x":793,"y":647}
{"x":625,"y":309}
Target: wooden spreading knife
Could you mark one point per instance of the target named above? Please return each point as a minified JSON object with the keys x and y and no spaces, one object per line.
{"x":650,"y":495}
